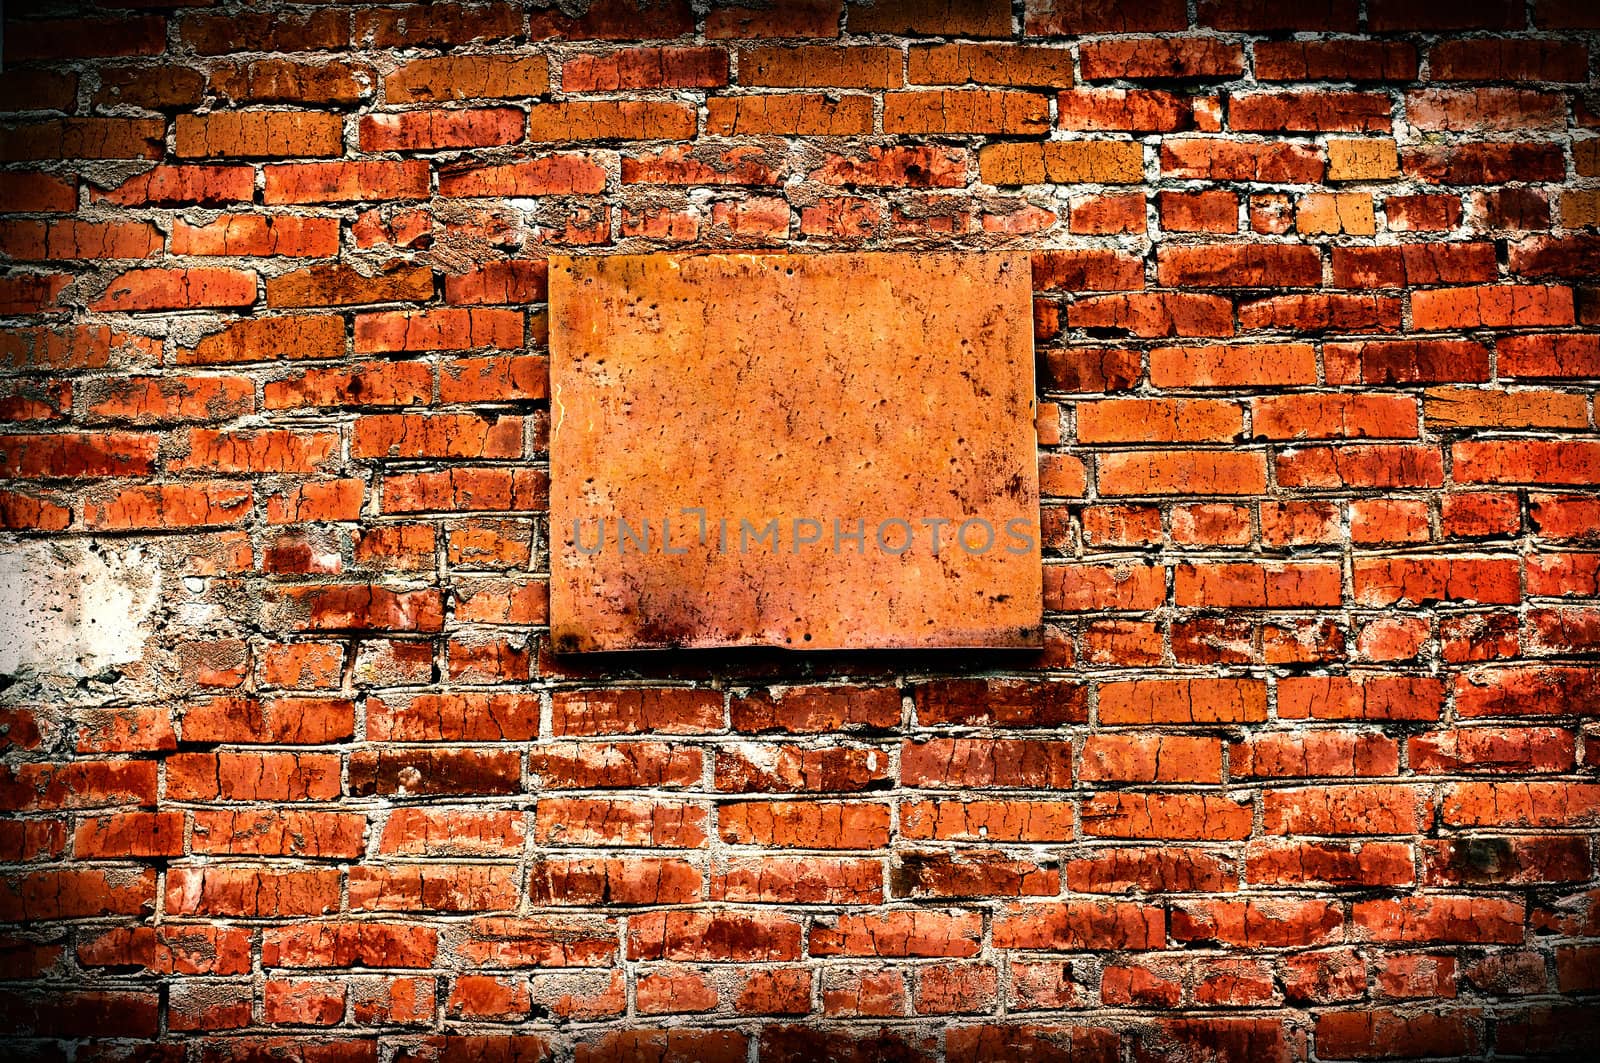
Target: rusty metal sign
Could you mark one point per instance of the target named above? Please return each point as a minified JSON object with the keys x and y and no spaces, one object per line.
{"x":814,"y":452}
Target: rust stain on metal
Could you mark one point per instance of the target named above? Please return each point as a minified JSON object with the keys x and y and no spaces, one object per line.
{"x":697,"y":399}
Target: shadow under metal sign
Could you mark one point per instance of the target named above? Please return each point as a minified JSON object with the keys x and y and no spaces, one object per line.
{"x":817,"y":452}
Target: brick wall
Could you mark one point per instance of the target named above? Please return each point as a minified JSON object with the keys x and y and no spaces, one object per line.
{"x":1305,"y":771}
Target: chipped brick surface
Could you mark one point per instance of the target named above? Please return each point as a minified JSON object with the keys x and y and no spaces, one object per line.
{"x":1303,"y":769}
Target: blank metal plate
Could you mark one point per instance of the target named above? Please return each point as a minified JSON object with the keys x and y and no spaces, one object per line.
{"x":837,"y":387}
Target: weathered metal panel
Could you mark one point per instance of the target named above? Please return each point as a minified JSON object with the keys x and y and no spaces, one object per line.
{"x":699,"y":398}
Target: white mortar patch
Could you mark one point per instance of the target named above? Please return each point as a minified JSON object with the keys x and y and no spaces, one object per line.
{"x":79,"y":607}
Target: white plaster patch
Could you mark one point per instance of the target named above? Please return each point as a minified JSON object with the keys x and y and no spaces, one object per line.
{"x":78,"y":607}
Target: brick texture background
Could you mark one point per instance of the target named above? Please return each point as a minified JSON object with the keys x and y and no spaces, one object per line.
{"x":1307,"y":769}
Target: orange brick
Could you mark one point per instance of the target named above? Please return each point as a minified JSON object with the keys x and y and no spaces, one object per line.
{"x":816,"y":66}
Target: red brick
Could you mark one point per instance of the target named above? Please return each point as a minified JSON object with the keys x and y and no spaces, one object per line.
{"x":30,"y":192}
{"x":253,"y":776}
{"x":579,"y":120}
{"x":1553,"y":355}
{"x":1135,"y":758}
{"x":804,"y":824}
{"x":84,"y":138}
{"x":176,"y":185}
{"x":1534,"y":461}
{"x":1406,"y":362}
{"x":1266,"y":922}
{"x":251,"y":892}
{"x":1375,"y":1034}
{"x":1285,"y":585}
{"x":647,"y":68}
{"x":1228,"y":160}
{"x":912,"y":167}
{"x":1343,"y":60}
{"x":1077,"y":925}
{"x":1508,"y":59}
{"x":1134,"y":110}
{"x":1320,"y":111}
{"x":1484,"y":163}
{"x":985,"y":763}
{"x":797,"y":880}
{"x":129,"y":834}
{"x":205,"y":504}
{"x":436,"y":330}
{"x":1158,"y":421}
{"x":617,"y":20}
{"x":333,"y":284}
{"x":283,"y":81}
{"x":1550,"y":256}
{"x":403,"y":435}
{"x":38,"y":89}
{"x":258,"y":235}
{"x":342,"y":182}
{"x":1360,"y":465}
{"x":21,"y":511}
{"x":964,"y":111}
{"x":32,"y":241}
{"x":552,"y":175}
{"x":445,"y":24}
{"x":1513,"y":861}
{"x":353,"y":944}
{"x":269,"y":450}
{"x":1107,"y":214}
{"x":820,"y":66}
{"x":431,"y":130}
{"x":1166,"y":816}
{"x":975,"y":820}
{"x":278,"y":833}
{"x":635,"y":710}
{"x":1183,"y":701}
{"x":1061,"y":162}
{"x":258,"y":134}
{"x":1079,"y":588}
{"x":668,"y":991}
{"x":1413,"y":265}
{"x":1509,"y":208}
{"x":1355,"y":809}
{"x":220,"y":34}
{"x":179,"y":289}
{"x":1210,"y":212}
{"x":1440,"y":918}
{"x":1161,"y":57}
{"x":1385,"y":581}
{"x":1233,"y":365}
{"x":384,"y":384}
{"x":465,"y":488}
{"x":1335,"y":864}
{"x":1333,"y":416}
{"x":467,"y":78}
{"x":712,"y":936}
{"x":77,"y":454}
{"x":755,"y":767}
{"x":841,"y":216}
{"x":1393,"y":15}
{"x":1239,"y":266}
{"x":32,"y":293}
{"x":1182,"y":472}
{"x":803,"y":18}
{"x":153,"y":87}
{"x":1422,"y":213}
{"x":616,"y":765}
{"x":990,"y":64}
{"x":923,"y":932}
